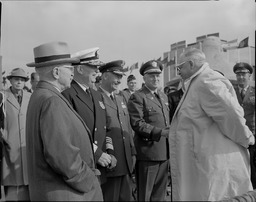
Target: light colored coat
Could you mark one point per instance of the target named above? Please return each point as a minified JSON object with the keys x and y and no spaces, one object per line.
{"x":60,"y":155}
{"x":14,"y":165}
{"x":208,"y":140}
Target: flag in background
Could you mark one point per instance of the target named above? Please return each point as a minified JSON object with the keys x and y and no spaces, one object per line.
{"x":134,"y":66}
{"x":229,"y":45}
{"x":165,"y":60}
{"x":171,"y":62}
{"x":243,"y":43}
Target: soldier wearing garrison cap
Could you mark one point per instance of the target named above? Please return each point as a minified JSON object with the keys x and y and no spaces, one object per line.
{"x":149,"y":112}
{"x":88,"y":103}
{"x":61,"y":160}
{"x":246,"y":98}
{"x":14,"y":170}
{"x":131,"y":87}
{"x":118,"y":185}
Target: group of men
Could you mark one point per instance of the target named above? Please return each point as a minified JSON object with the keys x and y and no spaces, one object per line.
{"x":75,"y":143}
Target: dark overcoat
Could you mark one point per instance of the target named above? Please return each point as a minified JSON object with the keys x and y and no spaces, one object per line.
{"x":61,"y":163}
{"x":92,"y":110}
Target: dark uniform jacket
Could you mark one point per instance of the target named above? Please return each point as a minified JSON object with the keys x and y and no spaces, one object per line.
{"x":92,"y":110}
{"x":119,"y":130}
{"x":248,"y":103}
{"x":148,"y":118}
{"x":173,"y":100}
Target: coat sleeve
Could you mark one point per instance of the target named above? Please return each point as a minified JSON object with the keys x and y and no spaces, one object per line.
{"x":219,"y":101}
{"x":59,"y":149}
{"x":139,"y":125}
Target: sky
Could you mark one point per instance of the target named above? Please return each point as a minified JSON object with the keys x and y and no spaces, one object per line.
{"x":134,"y":31}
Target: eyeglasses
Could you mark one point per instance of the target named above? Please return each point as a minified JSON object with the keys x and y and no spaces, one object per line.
{"x":179,"y":66}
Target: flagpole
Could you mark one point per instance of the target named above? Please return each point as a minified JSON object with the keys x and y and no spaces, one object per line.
{"x":250,"y":61}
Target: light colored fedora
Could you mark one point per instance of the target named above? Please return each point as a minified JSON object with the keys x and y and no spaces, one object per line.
{"x":88,"y":56}
{"x":18,"y":72}
{"x":52,"y":53}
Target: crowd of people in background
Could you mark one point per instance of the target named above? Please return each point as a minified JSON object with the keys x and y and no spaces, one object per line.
{"x":75,"y":136}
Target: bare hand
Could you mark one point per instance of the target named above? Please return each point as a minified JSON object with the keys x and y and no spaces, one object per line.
{"x":113,"y":162}
{"x":104,"y":160}
{"x":165,"y":133}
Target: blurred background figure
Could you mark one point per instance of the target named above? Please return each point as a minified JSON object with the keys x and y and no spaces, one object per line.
{"x":14,"y":163}
{"x":34,"y":79}
{"x":97,"y":83}
{"x":131,"y":87}
{"x":246,"y":98}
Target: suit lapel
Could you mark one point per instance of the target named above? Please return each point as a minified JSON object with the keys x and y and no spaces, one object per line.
{"x":151,"y":97}
{"x":247,"y":94}
{"x":12,"y":100}
{"x":238,"y":95}
{"x":107,"y":100}
{"x":82,"y":95}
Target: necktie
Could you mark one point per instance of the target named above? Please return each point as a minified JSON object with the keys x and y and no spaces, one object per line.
{"x":243,"y":91}
{"x":112,"y":97}
{"x":157,"y":96}
{"x":88,"y":92}
{"x":19,"y":98}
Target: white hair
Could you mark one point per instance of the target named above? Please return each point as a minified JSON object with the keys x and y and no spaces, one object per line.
{"x":196,"y":55}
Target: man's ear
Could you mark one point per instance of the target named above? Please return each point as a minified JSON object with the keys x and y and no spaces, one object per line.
{"x":79,"y":69}
{"x":192,"y":64}
{"x":55,"y":72}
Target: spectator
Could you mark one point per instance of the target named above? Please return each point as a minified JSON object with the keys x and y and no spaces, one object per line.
{"x":208,"y":136}
{"x":34,"y":79}
{"x":97,"y":82}
{"x":131,"y":84}
{"x":60,"y":153}
{"x":118,"y":186}
{"x":148,"y":109}
{"x":14,"y":163}
{"x":246,"y":97}
{"x":88,"y":103}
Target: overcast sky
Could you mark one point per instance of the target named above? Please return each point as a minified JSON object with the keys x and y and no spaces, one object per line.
{"x":135,"y":31}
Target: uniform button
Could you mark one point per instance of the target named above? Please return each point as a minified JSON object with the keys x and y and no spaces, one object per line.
{"x":96,"y":142}
{"x":95,"y":129}
{"x":105,"y":127}
{"x":124,"y":138}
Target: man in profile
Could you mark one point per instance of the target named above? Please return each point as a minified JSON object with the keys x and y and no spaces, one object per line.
{"x":60,"y":154}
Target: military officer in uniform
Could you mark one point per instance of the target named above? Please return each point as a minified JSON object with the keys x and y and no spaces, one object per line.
{"x":246,"y":97}
{"x":89,"y":105}
{"x":149,"y":112}
{"x":118,"y":185}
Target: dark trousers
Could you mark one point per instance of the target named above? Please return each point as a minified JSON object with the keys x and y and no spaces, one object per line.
{"x":252,"y":163}
{"x":152,"y":179}
{"x":117,"y":189}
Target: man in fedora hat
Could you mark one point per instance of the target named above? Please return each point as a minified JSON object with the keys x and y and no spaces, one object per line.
{"x":60,"y":159}
{"x":14,"y":163}
{"x":246,"y":98}
{"x":88,"y":103}
{"x":148,"y":109}
{"x":118,"y":184}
